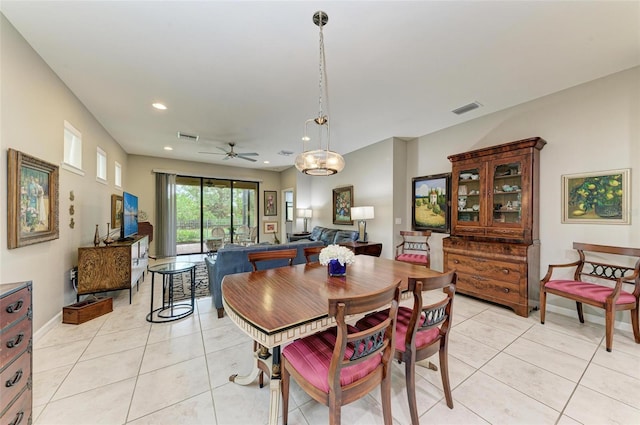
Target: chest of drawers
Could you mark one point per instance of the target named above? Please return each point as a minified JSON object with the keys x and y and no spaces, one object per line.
{"x":15,"y":353}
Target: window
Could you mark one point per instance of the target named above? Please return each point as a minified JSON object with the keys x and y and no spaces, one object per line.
{"x":118,"y":174}
{"x":72,"y":149}
{"x":101,"y":166}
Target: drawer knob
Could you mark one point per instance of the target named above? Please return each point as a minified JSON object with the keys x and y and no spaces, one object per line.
{"x":506,"y":290}
{"x":505,"y":271}
{"x":18,"y":419}
{"x":16,"y":340}
{"x":456,"y":261}
{"x":16,"y":378}
{"x":15,"y":307}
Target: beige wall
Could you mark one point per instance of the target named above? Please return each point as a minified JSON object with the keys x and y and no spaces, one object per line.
{"x":591,"y":127}
{"x":34,"y":103}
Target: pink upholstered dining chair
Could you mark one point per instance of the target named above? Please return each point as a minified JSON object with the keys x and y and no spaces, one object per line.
{"x":421,"y":332}
{"x":343,"y":364}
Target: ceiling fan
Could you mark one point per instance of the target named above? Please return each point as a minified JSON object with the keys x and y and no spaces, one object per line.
{"x":232,"y":154}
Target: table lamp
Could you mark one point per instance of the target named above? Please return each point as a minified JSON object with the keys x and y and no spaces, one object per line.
{"x":306,"y":214}
{"x":362,"y":214}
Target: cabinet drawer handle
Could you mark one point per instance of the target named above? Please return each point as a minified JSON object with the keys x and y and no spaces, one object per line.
{"x":506,"y":290}
{"x":18,"y":419}
{"x":16,"y":340}
{"x":15,"y":307}
{"x":16,"y":378}
{"x":505,"y":271}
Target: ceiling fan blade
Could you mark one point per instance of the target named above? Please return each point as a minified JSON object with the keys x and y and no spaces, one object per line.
{"x":213,"y":153}
{"x":248,"y":159}
{"x":249,"y":154}
{"x":223,"y":149}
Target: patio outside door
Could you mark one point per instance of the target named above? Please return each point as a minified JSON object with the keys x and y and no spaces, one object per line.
{"x":205,"y":204}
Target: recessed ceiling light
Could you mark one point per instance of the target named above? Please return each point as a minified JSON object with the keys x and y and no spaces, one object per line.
{"x":168,"y":148}
{"x":266,"y":162}
{"x":158,"y":105}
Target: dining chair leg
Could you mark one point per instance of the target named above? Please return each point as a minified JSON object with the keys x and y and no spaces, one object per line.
{"x":635,"y":325}
{"x":543,"y":305}
{"x":385,"y":387}
{"x":410,"y":377}
{"x":609,"y":321}
{"x":444,"y":372}
{"x":334,"y":410}
{"x":284,"y":378}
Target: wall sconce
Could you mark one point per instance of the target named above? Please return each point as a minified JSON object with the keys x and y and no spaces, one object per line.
{"x":362,"y":214}
{"x":306,"y":214}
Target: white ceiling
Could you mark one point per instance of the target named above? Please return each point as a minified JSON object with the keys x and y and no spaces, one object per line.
{"x":247,"y":72}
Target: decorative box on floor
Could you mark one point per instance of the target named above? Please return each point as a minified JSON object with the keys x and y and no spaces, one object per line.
{"x":86,"y":310}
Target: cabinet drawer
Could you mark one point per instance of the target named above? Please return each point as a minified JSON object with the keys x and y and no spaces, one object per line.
{"x":491,"y":269}
{"x":462,"y":230}
{"x":14,"y":339}
{"x":506,"y":233}
{"x":19,"y":413}
{"x":14,"y":306}
{"x":488,"y":288}
{"x":14,"y":377}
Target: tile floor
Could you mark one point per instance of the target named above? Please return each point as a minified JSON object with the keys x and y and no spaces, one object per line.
{"x":504,"y":369}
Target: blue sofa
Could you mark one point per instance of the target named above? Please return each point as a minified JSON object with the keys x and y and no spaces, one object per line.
{"x":233,"y":259}
{"x":328,"y":236}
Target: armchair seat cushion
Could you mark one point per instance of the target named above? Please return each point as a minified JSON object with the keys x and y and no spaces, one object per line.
{"x":412,"y":258}
{"x":402,"y":324}
{"x":311,"y":357}
{"x":598,"y":293}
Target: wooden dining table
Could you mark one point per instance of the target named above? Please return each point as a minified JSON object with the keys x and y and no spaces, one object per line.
{"x":280,"y":305}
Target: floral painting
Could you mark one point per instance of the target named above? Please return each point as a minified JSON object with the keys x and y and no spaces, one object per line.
{"x":342,"y":203}
{"x":599,"y":197}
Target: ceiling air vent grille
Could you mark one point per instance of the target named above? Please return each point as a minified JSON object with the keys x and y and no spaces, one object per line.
{"x":466,"y":108}
{"x":188,"y":137}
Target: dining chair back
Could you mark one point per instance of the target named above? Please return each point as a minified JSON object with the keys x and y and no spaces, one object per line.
{"x":279,"y":254}
{"x":414,"y":248}
{"x":422,"y":331}
{"x":343,"y":364}
{"x":313,"y":251}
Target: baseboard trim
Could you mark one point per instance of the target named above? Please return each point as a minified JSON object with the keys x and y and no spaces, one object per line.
{"x":47,"y":327}
{"x":591,"y":318}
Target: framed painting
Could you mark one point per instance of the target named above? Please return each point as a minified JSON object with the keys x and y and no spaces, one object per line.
{"x":342,"y":203}
{"x":600,"y":197}
{"x":270,"y":227}
{"x":32,"y":200}
{"x":116,"y":211}
{"x":270,"y":203}
{"x":431,"y":209}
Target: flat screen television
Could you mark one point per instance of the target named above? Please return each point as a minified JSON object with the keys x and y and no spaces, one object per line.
{"x":129,"y":216}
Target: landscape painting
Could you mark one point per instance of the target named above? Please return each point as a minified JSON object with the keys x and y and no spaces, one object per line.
{"x":431,"y":202}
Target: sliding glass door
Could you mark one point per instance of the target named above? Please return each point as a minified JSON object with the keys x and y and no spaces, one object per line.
{"x":214,"y":212}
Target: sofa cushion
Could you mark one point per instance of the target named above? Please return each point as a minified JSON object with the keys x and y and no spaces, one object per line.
{"x":345,"y":236}
{"x":328,"y":236}
{"x":316,"y":233}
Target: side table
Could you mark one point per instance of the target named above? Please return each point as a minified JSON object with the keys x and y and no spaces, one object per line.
{"x":170,"y":311}
{"x":373,"y":249}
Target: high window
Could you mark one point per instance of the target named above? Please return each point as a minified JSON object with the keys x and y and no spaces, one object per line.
{"x":72,"y":160}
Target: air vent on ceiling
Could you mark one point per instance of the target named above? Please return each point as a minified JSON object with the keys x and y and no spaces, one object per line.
{"x":285,"y":153}
{"x":466,"y":108}
{"x":188,"y":137}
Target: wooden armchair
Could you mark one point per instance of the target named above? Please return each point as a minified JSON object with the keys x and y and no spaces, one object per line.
{"x":216,"y":241}
{"x":279,"y":254}
{"x":589,"y":284}
{"x":414,"y":248}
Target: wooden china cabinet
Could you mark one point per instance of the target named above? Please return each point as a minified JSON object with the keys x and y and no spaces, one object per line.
{"x":494,"y":243}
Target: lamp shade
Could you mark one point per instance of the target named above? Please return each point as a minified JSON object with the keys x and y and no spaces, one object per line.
{"x":362,"y":213}
{"x":305,"y":212}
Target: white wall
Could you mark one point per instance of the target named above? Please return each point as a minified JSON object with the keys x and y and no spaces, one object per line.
{"x":34,"y":105}
{"x":590,"y":127}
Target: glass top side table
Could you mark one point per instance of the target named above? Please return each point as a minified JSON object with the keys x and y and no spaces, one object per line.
{"x":170,"y":310}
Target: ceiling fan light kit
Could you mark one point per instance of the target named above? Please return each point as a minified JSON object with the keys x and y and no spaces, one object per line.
{"x":322,"y":161}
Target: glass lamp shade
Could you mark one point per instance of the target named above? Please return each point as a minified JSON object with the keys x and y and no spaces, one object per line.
{"x":320,"y":162}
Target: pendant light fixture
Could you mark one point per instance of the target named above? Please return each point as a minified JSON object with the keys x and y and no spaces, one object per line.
{"x":322,"y":161}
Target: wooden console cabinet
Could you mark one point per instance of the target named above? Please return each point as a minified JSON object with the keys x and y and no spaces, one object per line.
{"x":364,"y":248}
{"x":112,"y":268}
{"x":16,"y":361}
{"x":494,"y":243}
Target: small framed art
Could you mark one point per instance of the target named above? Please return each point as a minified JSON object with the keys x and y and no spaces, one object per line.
{"x":270,"y":203}
{"x":342,"y":203}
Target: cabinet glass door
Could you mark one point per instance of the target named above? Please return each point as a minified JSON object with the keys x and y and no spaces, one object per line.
{"x":469,"y":206}
{"x":507,"y":193}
